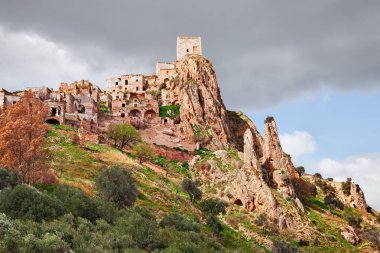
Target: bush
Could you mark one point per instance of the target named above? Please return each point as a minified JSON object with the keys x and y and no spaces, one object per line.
{"x":180,"y":223}
{"x":77,"y":202}
{"x":170,"y":111}
{"x":214,"y":223}
{"x":284,"y":247}
{"x":354,"y":220}
{"x":144,"y":232}
{"x":191,"y":187}
{"x":318,"y":175}
{"x":118,"y":186}
{"x":305,"y":190}
{"x":330,"y":179}
{"x":262,"y":221}
{"x":300,"y":170}
{"x":123,"y":134}
{"x":346,"y":187}
{"x":143,"y":152}
{"x":8,"y":178}
{"x":333,"y":202}
{"x":213,"y":206}
{"x":325,"y":187}
{"x":26,"y":202}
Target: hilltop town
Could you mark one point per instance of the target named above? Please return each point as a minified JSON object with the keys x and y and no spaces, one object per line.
{"x":145,"y":101}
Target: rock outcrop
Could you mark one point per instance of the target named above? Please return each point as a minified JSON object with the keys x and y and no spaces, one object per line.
{"x":349,"y":235}
{"x":356,"y":197}
{"x":277,"y":163}
{"x":203,"y":114}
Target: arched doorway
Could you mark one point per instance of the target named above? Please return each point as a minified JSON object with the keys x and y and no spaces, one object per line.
{"x":135,"y":113}
{"x":150,"y":115}
{"x":53,"y":122}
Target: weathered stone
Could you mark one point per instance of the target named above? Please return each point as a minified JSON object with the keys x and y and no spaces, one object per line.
{"x":203,"y":115}
{"x":349,"y":235}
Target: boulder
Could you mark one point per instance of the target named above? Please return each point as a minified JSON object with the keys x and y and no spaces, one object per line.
{"x":349,"y":235}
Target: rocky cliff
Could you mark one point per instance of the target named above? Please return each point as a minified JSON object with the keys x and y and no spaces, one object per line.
{"x":203,"y":114}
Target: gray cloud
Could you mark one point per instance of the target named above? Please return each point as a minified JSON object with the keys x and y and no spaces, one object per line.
{"x":264,"y":52}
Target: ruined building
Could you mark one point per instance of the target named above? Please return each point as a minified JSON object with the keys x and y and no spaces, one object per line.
{"x":132,"y":98}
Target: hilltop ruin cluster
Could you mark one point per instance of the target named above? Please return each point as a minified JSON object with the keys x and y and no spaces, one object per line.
{"x":132,"y":98}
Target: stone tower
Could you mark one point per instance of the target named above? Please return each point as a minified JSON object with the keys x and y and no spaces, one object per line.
{"x":188,"y":45}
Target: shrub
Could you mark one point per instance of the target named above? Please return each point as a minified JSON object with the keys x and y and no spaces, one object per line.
{"x":191,"y":187}
{"x":333,"y":202}
{"x":330,"y":179}
{"x":77,"y":202}
{"x":180,"y":223}
{"x":300,"y":170}
{"x":284,"y":247}
{"x":213,"y":206}
{"x":8,"y":179}
{"x":262,"y":221}
{"x":170,"y":111}
{"x":325,"y":187}
{"x":318,"y":175}
{"x":26,"y":202}
{"x":143,"y":152}
{"x":346,"y":187}
{"x":305,"y":190}
{"x":118,"y":186}
{"x":123,"y":134}
{"x":214,"y":223}
{"x":144,"y":232}
{"x":353,"y":220}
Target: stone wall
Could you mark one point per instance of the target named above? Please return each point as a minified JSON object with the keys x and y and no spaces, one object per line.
{"x":188,"y":45}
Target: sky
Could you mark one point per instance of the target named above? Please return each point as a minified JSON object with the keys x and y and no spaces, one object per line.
{"x":313,"y":65}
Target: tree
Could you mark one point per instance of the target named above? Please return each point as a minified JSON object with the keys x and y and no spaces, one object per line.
{"x":262,"y":221}
{"x":346,"y":187}
{"x":22,"y":137}
{"x":8,"y":179}
{"x":318,"y":175}
{"x":117,"y":185}
{"x":123,"y":134}
{"x":180,"y":223}
{"x":143,"y":152}
{"x":300,"y":170}
{"x":333,"y":202}
{"x":213,"y":206}
{"x":191,"y":187}
{"x":26,"y":202}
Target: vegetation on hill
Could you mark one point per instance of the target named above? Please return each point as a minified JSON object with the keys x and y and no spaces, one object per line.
{"x":110,"y":199}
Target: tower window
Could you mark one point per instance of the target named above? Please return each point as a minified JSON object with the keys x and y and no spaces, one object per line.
{"x":122,"y":105}
{"x":137,"y":88}
{"x":187,"y":50}
{"x":117,"y":83}
{"x":122,"y":115}
{"x":137,"y":80}
{"x":126,"y":81}
{"x":146,"y":82}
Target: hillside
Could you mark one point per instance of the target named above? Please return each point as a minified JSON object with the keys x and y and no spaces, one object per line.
{"x":204,"y":179}
{"x":160,"y":191}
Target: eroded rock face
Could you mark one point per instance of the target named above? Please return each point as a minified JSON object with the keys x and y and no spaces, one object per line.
{"x":276,"y":161}
{"x":349,"y":235}
{"x":356,"y":197}
{"x":203,"y":114}
{"x":244,"y":184}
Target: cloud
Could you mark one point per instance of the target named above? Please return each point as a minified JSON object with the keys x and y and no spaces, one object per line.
{"x":363,"y":169}
{"x":265,"y":52}
{"x":298,"y":143}
{"x":28,"y":59}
